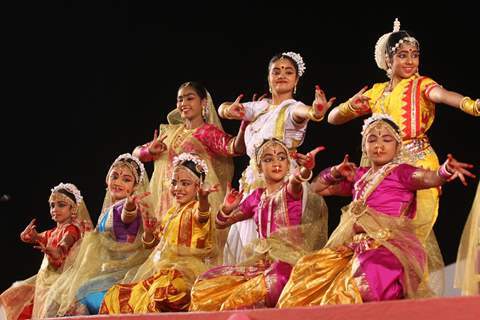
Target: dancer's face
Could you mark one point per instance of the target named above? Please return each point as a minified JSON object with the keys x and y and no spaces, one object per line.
{"x":274,"y":163}
{"x":380,"y":144}
{"x":121,"y":182}
{"x":189,"y":103}
{"x":282,"y":76}
{"x":183,"y":187}
{"x":405,"y":61}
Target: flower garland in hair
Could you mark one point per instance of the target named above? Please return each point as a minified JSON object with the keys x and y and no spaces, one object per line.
{"x":373,"y":118}
{"x":381,"y":46}
{"x":298,"y":60}
{"x":201,"y":165}
{"x":71,"y":188}
{"x":126,"y":156}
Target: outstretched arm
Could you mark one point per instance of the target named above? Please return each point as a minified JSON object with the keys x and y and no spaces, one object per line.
{"x":440,"y":95}
{"x":448,"y":171}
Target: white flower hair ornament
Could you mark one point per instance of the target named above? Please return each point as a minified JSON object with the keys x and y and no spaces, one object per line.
{"x":298,"y":60}
{"x":381,"y":46}
{"x":127,"y":156}
{"x":373,"y":118}
{"x":200,"y":165}
{"x":70,"y":188}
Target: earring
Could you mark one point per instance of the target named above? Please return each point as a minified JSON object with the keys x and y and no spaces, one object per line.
{"x":295,"y":90}
{"x":270,"y":89}
{"x":205,"y":113}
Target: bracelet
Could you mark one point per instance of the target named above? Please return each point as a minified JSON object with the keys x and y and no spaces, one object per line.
{"x":129,"y":213}
{"x":204,"y":214}
{"x":145,"y":154}
{"x":223,"y":111}
{"x":302,"y":179}
{"x":443,"y":172}
{"x":470,"y":106}
{"x":148,"y":243}
{"x":312,"y":116}
{"x":328,"y":177}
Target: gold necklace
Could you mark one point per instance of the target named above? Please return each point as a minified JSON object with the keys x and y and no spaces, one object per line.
{"x":180,"y":136}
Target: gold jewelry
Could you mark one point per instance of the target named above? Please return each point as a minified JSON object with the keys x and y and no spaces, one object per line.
{"x":129,"y":213}
{"x":150,"y":242}
{"x":312,"y":116}
{"x":203,"y":214}
{"x":346,"y":109}
{"x":470,"y":106}
{"x":302,"y":179}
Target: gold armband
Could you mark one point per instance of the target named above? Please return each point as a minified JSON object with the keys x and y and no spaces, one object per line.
{"x":470,"y":106}
{"x":346,"y":109}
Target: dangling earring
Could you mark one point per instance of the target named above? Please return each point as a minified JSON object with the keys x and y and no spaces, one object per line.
{"x":205,"y":113}
{"x":270,"y":89}
{"x":295,"y":90}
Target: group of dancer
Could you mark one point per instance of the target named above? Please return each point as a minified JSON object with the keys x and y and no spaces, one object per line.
{"x":185,"y":240}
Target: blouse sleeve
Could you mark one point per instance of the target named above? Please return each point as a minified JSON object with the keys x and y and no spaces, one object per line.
{"x":406,"y":174}
{"x":216,"y":140}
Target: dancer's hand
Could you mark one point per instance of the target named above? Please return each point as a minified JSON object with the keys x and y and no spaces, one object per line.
{"x":345,"y":169}
{"x":307,"y":160}
{"x":459,"y":169}
{"x":157,"y":146}
{"x":320,"y":104}
{"x":360,"y":103}
{"x":29,"y":235}
{"x":232,"y":199}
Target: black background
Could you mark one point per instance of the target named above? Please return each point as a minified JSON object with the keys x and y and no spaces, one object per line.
{"x":84,"y":83}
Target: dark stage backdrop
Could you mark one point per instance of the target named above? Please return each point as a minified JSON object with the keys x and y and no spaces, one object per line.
{"x":85,"y":83}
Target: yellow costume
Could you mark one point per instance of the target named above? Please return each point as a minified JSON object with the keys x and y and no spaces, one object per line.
{"x":413,"y":112}
{"x":164,"y":281}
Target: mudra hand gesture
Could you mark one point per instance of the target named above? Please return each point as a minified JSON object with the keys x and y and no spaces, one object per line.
{"x":458,"y":169}
{"x":320,"y":104}
{"x":135,"y":201}
{"x":360,"y":103}
{"x":205,"y":190}
{"x":345,"y":169}
{"x":29,"y":234}
{"x":149,"y":221}
{"x":236,"y":110}
{"x":232,"y":199}
{"x":307,"y":160}
{"x":157,"y":146}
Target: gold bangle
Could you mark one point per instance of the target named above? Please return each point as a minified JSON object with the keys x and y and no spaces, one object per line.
{"x":345,"y":109}
{"x":129,"y":213}
{"x":302,"y":179}
{"x":204,"y":214}
{"x":312,"y":116}
{"x":149,"y":243}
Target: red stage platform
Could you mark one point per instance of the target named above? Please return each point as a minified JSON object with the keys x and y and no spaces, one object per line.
{"x":457,"y":308}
